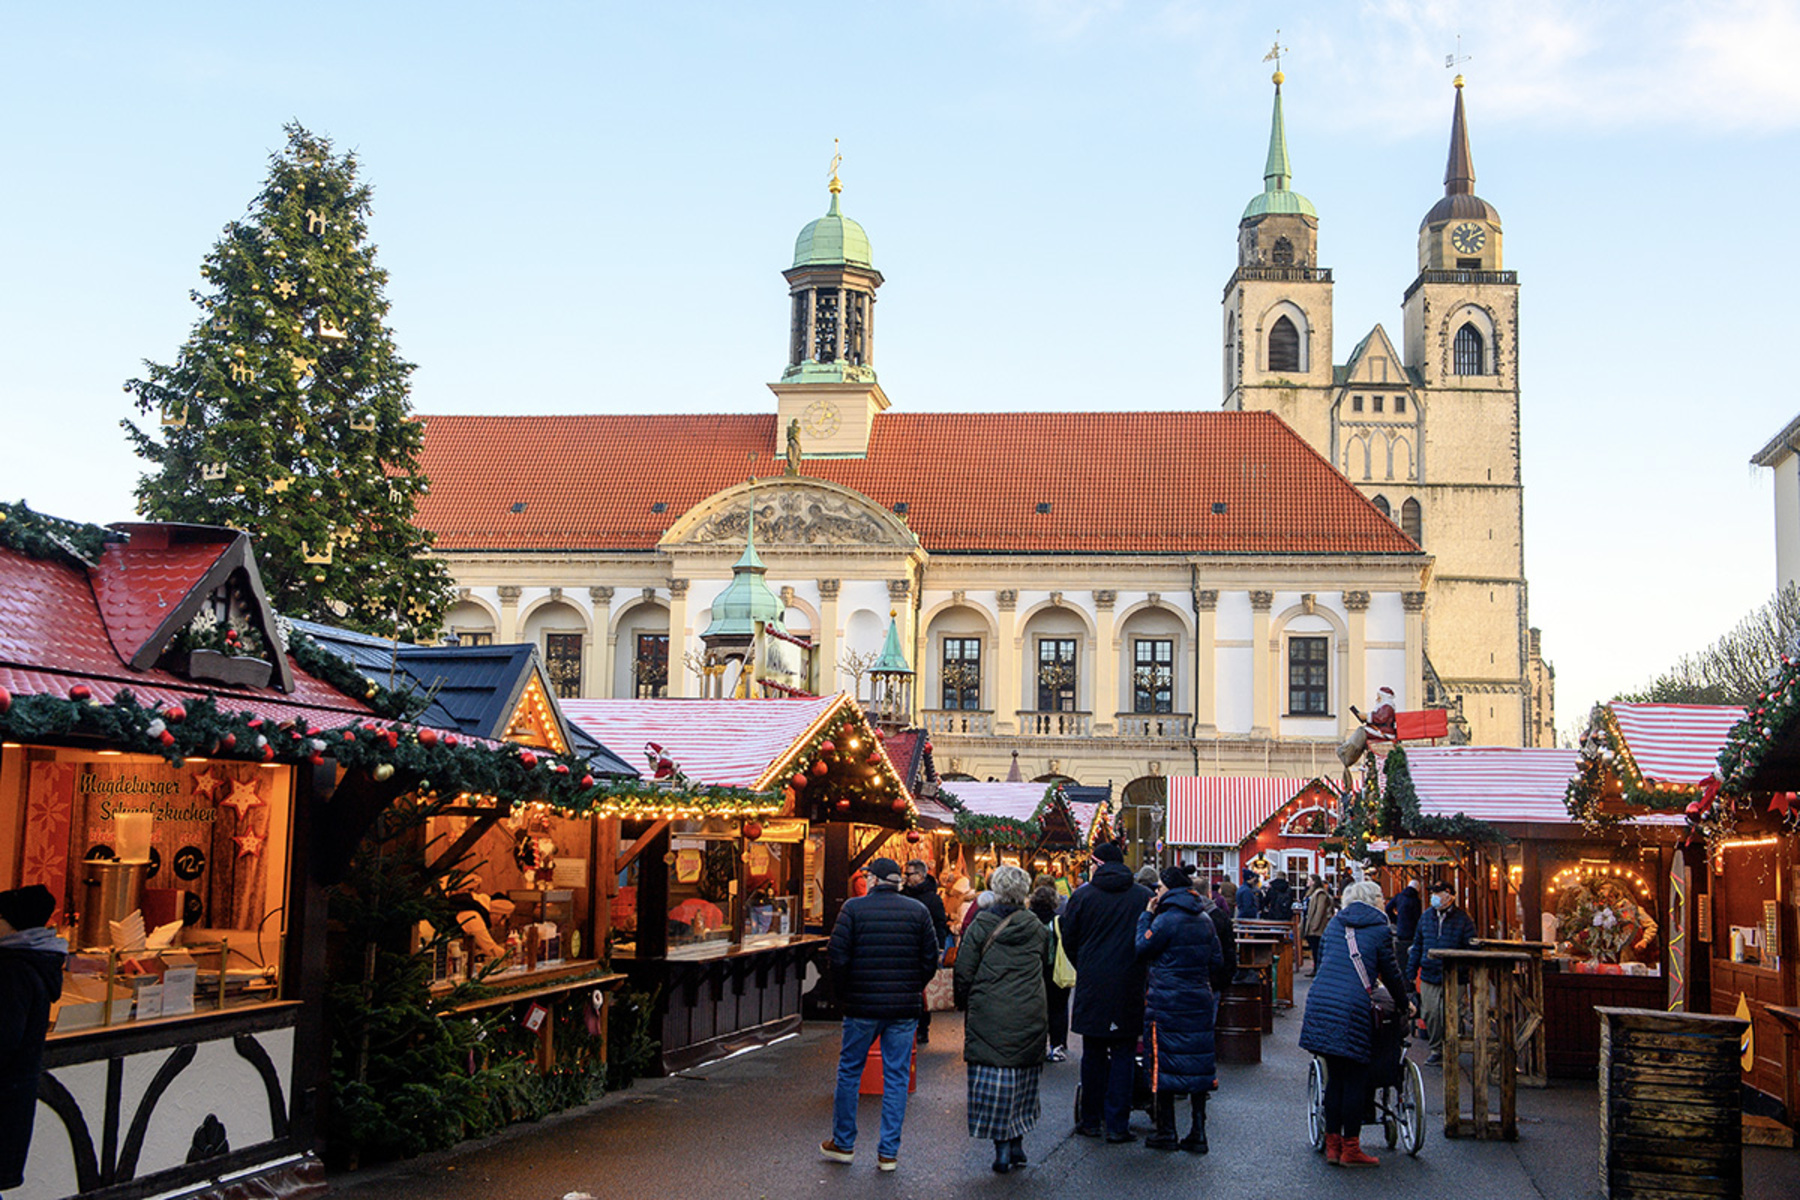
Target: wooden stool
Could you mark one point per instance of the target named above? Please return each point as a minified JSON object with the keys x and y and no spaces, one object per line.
{"x":1491,"y":976}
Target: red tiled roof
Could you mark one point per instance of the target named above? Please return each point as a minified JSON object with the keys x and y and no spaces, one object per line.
{"x":138,"y":586}
{"x":52,"y":637}
{"x":1130,"y":482}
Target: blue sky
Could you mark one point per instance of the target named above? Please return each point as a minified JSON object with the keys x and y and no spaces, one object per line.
{"x":586,"y":207}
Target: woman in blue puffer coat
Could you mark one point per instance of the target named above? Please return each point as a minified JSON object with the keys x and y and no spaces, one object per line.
{"x":1177,"y":940}
{"x":1339,"y":1021}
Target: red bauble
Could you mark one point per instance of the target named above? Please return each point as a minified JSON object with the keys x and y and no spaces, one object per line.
{"x":562,"y":768}
{"x":348,"y":736}
{"x":799,"y":780}
{"x":5,"y":699}
{"x":842,"y":805}
{"x":174,"y":714}
{"x":428,"y":737}
{"x":827,"y":746}
{"x":527,"y":758}
{"x":231,"y":637}
{"x":166,"y":738}
{"x":80,"y":691}
{"x":228,"y":741}
{"x":900,"y":804}
{"x":914,"y":836}
{"x":752,"y":830}
{"x":819,"y":768}
{"x":587,"y":781}
{"x":928,"y":747}
{"x":268,"y":752}
{"x":255,"y":722}
{"x":450,"y":739}
{"x":391,"y":738}
{"x":316,"y":759}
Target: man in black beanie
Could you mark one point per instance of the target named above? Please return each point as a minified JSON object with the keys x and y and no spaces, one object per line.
{"x":31,"y":964}
{"x":1099,"y":929}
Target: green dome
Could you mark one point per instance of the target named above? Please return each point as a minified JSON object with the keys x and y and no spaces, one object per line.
{"x":832,"y":240}
{"x":1284,"y":202}
{"x":747,"y":598}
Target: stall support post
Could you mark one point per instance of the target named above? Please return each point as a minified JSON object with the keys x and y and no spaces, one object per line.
{"x":1452,"y":1050}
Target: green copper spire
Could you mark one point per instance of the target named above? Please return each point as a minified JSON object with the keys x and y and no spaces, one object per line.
{"x":893,"y":659}
{"x":833,"y":239}
{"x":1278,"y":172}
{"x":747,"y":598}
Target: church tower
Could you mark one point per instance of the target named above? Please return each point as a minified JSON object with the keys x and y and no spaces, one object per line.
{"x":1278,"y":302}
{"x":829,"y":385}
{"x":1461,"y":319}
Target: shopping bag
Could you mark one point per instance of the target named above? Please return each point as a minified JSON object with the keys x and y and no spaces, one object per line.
{"x":939,"y":992}
{"x":1062,"y":971}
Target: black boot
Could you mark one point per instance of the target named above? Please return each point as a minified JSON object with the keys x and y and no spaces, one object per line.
{"x":1018,"y":1151}
{"x":1164,"y":1137}
{"x":1195,"y":1141}
{"x":1002,"y":1156}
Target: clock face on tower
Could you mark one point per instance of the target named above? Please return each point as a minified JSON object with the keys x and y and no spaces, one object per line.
{"x":1468,"y":238}
{"x":820,"y":418}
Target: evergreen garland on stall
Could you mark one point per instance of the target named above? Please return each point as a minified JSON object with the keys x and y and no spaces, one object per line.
{"x":1401,"y":810}
{"x":35,"y":535}
{"x":400,"y":704}
{"x":1769,"y":719}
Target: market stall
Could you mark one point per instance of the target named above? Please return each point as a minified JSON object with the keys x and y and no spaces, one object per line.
{"x":1212,"y":818}
{"x":721,"y":909}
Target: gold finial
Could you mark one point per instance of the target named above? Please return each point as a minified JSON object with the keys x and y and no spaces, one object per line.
{"x":1459,"y":81}
{"x":1274,"y":55}
{"x":837,"y":159}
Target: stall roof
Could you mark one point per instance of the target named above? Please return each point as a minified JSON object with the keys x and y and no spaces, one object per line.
{"x":1015,"y":800}
{"x":736,"y":743}
{"x":1675,"y":743}
{"x":1223,"y":811}
{"x":1499,"y":784}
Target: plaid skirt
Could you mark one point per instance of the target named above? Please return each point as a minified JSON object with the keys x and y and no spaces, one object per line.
{"x":1003,"y":1101}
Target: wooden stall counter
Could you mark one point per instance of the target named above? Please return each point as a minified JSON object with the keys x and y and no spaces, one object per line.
{"x":545,"y":985}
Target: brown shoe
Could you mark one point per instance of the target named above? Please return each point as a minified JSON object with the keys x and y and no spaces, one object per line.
{"x":1352,"y":1154}
{"x":1334,"y":1146}
{"x":835,"y":1152}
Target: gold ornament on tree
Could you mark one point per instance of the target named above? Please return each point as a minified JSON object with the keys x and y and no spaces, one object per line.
{"x":315,"y":221}
{"x":285,"y":289}
{"x":212,"y":471}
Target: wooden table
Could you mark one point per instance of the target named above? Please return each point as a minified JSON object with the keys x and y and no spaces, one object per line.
{"x":1493,"y":994}
{"x":1259,"y":955}
{"x":1287,"y":945}
{"x":1532,"y":1032}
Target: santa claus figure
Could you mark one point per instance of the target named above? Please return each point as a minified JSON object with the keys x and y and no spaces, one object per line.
{"x":1377,"y":727}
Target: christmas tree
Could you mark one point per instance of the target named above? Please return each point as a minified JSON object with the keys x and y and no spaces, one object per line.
{"x":286,"y":415}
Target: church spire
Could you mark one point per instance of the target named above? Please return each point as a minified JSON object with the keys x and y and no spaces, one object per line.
{"x":1278,"y":171}
{"x":1459,"y":172}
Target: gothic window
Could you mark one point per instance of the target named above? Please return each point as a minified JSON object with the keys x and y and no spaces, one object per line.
{"x":650,"y":669}
{"x":1309,"y":676}
{"x":961,"y":673}
{"x":562,"y":657}
{"x":1282,"y":253}
{"x":1381,"y":502}
{"x":825,"y":326}
{"x":1470,"y":350}
{"x":1153,"y":675}
{"x":1412,"y":521}
{"x":1056,"y":675}
{"x":1284,"y":346}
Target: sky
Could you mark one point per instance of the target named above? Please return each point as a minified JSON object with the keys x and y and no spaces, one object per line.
{"x":587,"y":207}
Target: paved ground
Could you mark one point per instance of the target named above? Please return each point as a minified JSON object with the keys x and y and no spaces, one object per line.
{"x":750,"y":1127}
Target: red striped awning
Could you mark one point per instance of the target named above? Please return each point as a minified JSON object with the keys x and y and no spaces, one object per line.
{"x":1498,"y":784}
{"x":1675,"y":743}
{"x":1208,"y":811}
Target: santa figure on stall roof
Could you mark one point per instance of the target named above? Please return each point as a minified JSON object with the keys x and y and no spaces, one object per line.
{"x":1376,"y":728}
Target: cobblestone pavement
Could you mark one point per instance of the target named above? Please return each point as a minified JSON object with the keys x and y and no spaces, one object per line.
{"x":750,"y":1127}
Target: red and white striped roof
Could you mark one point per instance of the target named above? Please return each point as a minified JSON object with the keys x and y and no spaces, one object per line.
{"x":1675,"y":743}
{"x":1085,"y":812}
{"x":730,"y":743}
{"x":1210,"y":811}
{"x":1498,"y":784}
{"x":1015,"y":800}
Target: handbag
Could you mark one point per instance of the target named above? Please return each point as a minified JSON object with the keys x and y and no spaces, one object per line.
{"x":1381,"y":1004}
{"x":950,"y":951}
{"x":1062,"y":971}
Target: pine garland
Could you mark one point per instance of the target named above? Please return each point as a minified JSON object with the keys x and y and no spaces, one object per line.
{"x":975,"y":829}
{"x":49,"y":538}
{"x":1768,"y":721}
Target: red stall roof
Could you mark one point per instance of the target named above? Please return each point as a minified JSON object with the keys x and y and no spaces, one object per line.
{"x":1224,"y":811}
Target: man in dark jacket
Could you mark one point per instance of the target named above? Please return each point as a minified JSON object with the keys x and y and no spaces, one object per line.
{"x":883,"y":952}
{"x":1280,"y":900}
{"x":31,"y":969}
{"x":1403,"y":910}
{"x":1099,"y":928}
{"x":922,"y":887}
{"x":1249,"y":898}
{"x":1445,"y":927}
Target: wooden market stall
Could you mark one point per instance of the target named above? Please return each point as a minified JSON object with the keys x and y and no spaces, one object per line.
{"x":720,"y":910}
{"x":1027,"y":824}
{"x":1211,"y":820}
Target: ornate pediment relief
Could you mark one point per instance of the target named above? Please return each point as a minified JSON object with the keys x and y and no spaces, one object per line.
{"x":791,"y":513}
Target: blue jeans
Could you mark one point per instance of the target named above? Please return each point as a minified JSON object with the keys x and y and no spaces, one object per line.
{"x":1108,"y":1067}
{"x":896,"y":1070}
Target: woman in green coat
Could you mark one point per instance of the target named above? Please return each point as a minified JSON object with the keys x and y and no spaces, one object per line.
{"x":999,"y":980}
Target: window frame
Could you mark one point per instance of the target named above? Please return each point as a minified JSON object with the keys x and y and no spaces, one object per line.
{"x":557,"y":660}
{"x":1309,"y":676}
{"x":962,"y":644}
{"x":1069,"y":692}
{"x":1274,"y":332}
{"x":655,"y":691}
{"x":1160,"y":699}
{"x":1460,"y":352}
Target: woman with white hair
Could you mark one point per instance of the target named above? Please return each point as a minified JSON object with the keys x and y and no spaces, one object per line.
{"x":1355,"y":952}
{"x":999,"y":979}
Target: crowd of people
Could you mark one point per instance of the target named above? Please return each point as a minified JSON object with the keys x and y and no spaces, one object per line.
{"x":1149,"y":954}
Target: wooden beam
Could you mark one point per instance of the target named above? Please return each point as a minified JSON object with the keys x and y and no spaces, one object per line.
{"x":864,"y":855}
{"x":630,"y":854}
{"x":484,"y":820}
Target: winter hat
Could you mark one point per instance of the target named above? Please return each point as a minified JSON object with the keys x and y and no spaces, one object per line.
{"x":27,"y":907}
{"x":1108,"y":852}
{"x":884,"y":870}
{"x":1443,"y":885}
{"x":1176,"y":879}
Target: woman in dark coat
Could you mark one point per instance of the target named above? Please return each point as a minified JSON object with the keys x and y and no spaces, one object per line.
{"x":1280,"y":902}
{"x":1176,"y":938}
{"x":999,"y":979}
{"x":1339,"y":1021}
{"x":1044,"y":903}
{"x":1249,"y":898}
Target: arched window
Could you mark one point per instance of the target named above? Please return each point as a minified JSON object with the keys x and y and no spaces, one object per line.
{"x":1412,"y":521}
{"x":1381,"y":502}
{"x":1284,"y":346}
{"x":1282,"y":253}
{"x":1470,"y":350}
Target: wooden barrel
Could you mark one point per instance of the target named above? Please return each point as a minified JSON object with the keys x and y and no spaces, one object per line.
{"x":1237,"y":1030}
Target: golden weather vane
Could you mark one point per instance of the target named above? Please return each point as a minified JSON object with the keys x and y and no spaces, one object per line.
{"x":1276,"y":51}
{"x":837,"y":160}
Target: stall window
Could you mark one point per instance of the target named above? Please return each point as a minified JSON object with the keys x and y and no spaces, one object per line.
{"x":521,"y":892}
{"x":703,"y":884}
{"x":170,"y":882}
{"x":1602,"y":913}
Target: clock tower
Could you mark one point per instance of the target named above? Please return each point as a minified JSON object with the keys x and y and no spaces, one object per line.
{"x":829,"y":385}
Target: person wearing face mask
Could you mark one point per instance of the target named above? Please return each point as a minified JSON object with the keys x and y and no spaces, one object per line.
{"x":1443,"y":927}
